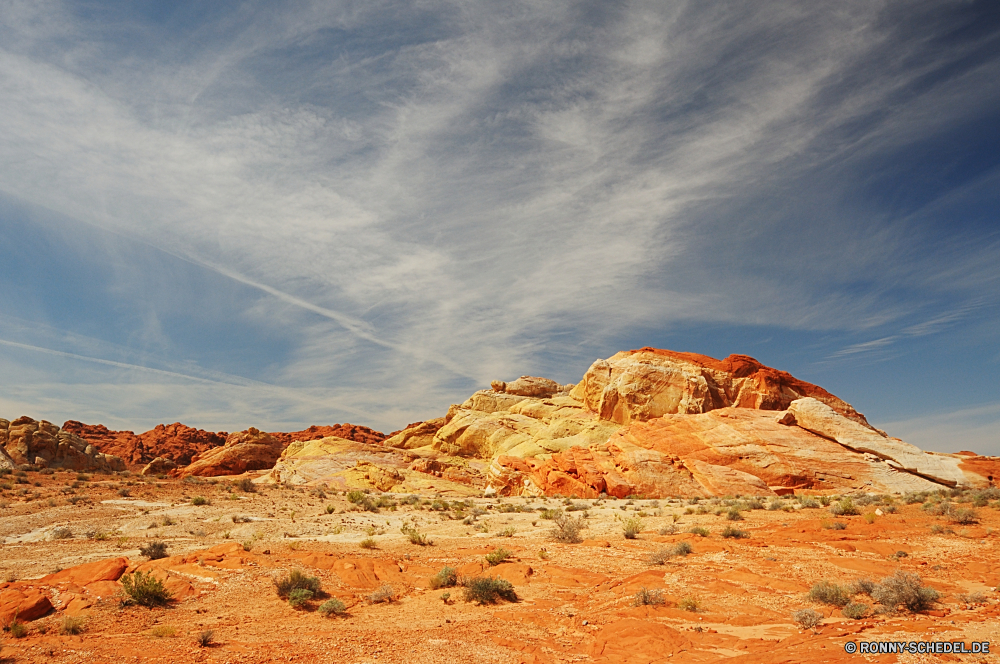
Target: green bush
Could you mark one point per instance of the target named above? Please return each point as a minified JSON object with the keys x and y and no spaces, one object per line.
{"x":199,"y":500}
{"x":385,"y":594}
{"x":486,"y":590}
{"x":142,"y":588}
{"x":688,"y":604}
{"x":246,"y":485}
{"x":356,"y":496}
{"x":699,"y":530}
{"x":497,"y":556}
{"x":17,"y":629}
{"x":331,"y":607}
{"x":828,"y":592}
{"x":299,"y":597}
{"x":415,"y":536}
{"x":845,"y":507}
{"x":855,"y":610}
{"x":861,"y":587}
{"x":297,"y":580}
{"x":734,"y":514}
{"x":682,"y":548}
{"x":446,"y":578}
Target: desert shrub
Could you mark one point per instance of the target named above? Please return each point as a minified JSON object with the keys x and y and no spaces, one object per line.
{"x":549,"y":514}
{"x":844,"y":507}
{"x":72,"y":625}
{"x":631,"y":527}
{"x":828,"y":592}
{"x":299,"y":597}
{"x":205,"y":638}
{"x":507,"y":532}
{"x":870,"y":517}
{"x":416,"y":537}
{"x":384,"y":594}
{"x":199,"y":500}
{"x":246,"y":485}
{"x":241,"y":518}
{"x":567,"y":529}
{"x":973,"y":598}
{"x":368,"y":543}
{"x":647,"y":597}
{"x":17,"y":629}
{"x":61,"y":532}
{"x":296,"y":580}
{"x":688,"y":604}
{"x":809,"y":503}
{"x":661,"y":555}
{"x":963,"y":515}
{"x":753,"y":504}
{"x":906,"y":589}
{"x":82,"y":477}
{"x":855,"y":610}
{"x":124,"y":493}
{"x":330,"y":509}
{"x":142,"y":588}
{"x":356,"y":496}
{"x":836,"y":525}
{"x":861,"y":587}
{"x":447,"y":577}
{"x":734,"y":533}
{"x":699,"y":530}
{"x":162,"y":631}
{"x":331,"y":607}
{"x":775,"y":504}
{"x":734,"y":514}
{"x":682,"y":548}
{"x":498,"y":556}
{"x":486,"y":590}
{"x":154,"y":550}
{"x":807,"y":618}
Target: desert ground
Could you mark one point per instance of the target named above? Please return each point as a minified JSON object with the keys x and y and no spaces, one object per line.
{"x":69,"y":539}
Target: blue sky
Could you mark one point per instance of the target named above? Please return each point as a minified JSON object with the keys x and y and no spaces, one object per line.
{"x":278,"y":214}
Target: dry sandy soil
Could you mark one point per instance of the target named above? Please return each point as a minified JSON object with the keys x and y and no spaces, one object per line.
{"x":576,"y":601}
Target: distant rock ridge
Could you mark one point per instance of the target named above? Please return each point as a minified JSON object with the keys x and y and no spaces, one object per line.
{"x":41,"y":443}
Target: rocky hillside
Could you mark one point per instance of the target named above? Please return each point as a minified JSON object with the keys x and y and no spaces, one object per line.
{"x":43,"y":444}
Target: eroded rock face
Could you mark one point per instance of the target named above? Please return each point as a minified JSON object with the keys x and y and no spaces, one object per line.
{"x":346,"y":431}
{"x":638,"y":385}
{"x":41,"y":443}
{"x":245,"y":450}
{"x":177,"y":442}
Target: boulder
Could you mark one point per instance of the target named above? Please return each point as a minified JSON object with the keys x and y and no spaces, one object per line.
{"x":819,"y":418}
{"x":41,"y":443}
{"x":638,"y":385}
{"x":245,"y":450}
{"x":22,"y":602}
{"x":158,"y":466}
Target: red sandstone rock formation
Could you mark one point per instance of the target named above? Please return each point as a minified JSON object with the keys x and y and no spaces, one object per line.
{"x":355,"y":432}
{"x":176,"y":442}
{"x":243,"y":451}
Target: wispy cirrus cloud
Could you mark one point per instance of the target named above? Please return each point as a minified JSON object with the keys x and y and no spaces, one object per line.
{"x":425,"y":198}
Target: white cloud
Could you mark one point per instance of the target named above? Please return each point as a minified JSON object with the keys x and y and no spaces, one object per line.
{"x":452,"y":198}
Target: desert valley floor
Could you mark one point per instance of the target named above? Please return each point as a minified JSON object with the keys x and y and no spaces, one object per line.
{"x":67,"y":538}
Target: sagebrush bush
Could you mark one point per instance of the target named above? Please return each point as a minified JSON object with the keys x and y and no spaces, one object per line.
{"x":356,"y":496}
{"x":861,"y":587}
{"x":828,"y":592}
{"x":734,"y":533}
{"x":567,"y":529}
{"x":963,"y":515}
{"x":855,"y":610}
{"x":143,"y":588}
{"x":734,"y":514}
{"x":631,"y":527}
{"x":297,"y":580}
{"x":647,"y":597}
{"x":246,"y":485}
{"x":906,"y":589}
{"x":487,"y":590}
{"x":845,"y":507}
{"x":72,"y":625}
{"x":199,"y":500}
{"x":299,"y":597}
{"x":498,"y":556}
{"x":699,"y":530}
{"x":688,"y":604}
{"x":446,"y":578}
{"x":205,"y":638}
{"x":331,"y":607}
{"x":386,"y":594}
{"x":154,"y":550}
{"x":807,"y":618}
